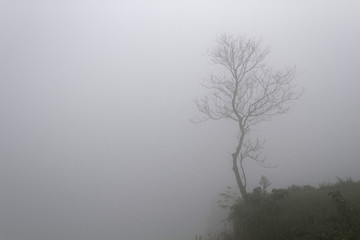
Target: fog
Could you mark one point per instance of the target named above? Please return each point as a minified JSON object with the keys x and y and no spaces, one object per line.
{"x":96,"y":99}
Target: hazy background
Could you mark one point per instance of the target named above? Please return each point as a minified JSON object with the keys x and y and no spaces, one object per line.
{"x":96,"y":97}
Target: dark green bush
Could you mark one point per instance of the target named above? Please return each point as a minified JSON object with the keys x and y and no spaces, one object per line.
{"x":329,"y":212}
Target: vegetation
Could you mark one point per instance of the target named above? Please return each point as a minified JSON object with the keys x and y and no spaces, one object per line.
{"x":247,"y":93}
{"x":328,"y":212}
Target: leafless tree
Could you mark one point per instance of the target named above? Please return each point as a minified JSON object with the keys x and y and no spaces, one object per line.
{"x":249,"y":92}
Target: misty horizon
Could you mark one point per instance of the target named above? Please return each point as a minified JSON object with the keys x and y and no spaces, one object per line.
{"x":97,"y":99}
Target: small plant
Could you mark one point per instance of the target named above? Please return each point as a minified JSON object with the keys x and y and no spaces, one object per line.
{"x":264,"y":183}
{"x":230,"y":197}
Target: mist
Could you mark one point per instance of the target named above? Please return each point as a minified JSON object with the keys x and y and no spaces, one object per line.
{"x":96,"y":99}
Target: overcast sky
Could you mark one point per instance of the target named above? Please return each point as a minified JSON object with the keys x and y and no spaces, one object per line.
{"x":96,"y":97}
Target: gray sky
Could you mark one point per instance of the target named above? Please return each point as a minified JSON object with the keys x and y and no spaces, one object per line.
{"x":96,"y":97}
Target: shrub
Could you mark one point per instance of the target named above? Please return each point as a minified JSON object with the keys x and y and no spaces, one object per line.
{"x":329,"y":212}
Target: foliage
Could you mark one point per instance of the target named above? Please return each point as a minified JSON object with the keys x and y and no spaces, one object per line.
{"x":329,"y":212}
{"x":229,"y":197}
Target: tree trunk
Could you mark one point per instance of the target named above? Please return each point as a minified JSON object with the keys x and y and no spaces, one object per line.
{"x":239,"y":182}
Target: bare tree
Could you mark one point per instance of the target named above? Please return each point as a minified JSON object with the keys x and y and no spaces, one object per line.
{"x":249,"y":92}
